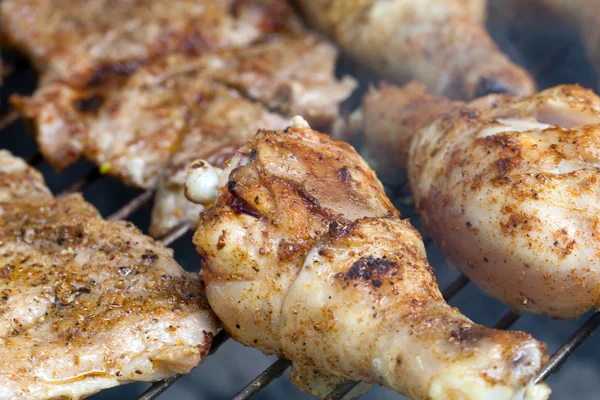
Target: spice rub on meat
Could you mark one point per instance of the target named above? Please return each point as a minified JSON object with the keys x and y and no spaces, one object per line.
{"x":305,"y":257}
{"x":87,"y":304}
{"x":83,"y":42}
{"x":143,"y":129}
{"x":507,"y":187}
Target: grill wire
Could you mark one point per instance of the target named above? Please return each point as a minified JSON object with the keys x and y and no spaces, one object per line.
{"x":278,"y":368}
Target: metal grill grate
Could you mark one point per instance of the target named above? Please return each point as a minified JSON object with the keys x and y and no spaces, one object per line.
{"x":278,"y":368}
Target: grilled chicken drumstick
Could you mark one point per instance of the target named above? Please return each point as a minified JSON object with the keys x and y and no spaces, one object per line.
{"x":442,"y":43}
{"x":507,"y":188}
{"x":305,"y":257}
{"x":87,"y":304}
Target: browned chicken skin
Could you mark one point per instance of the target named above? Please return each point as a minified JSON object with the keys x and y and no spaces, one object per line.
{"x":508,"y":189}
{"x":87,"y":304}
{"x":442,"y":43}
{"x":83,"y":42}
{"x":178,"y":108}
{"x":305,"y":257}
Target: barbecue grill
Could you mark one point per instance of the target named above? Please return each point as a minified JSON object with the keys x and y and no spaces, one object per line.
{"x":118,"y":202}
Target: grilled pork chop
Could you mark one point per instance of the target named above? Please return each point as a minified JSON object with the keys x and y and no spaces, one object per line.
{"x":305,"y":257}
{"x":131,"y":128}
{"x":87,"y":304}
{"x":82,"y":42}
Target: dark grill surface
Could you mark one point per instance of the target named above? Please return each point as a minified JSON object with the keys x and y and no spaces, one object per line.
{"x":553,"y":59}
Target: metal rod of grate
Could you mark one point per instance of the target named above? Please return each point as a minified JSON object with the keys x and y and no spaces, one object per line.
{"x":134,"y":204}
{"x":274,"y":371}
{"x":8,"y":119}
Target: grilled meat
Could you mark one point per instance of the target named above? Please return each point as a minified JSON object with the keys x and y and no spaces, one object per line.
{"x":442,"y":43}
{"x":132,"y":127}
{"x":82,"y":42}
{"x":227,"y":121}
{"x":87,"y":304}
{"x":508,"y":189}
{"x":382,"y":112}
{"x":305,"y":257}
{"x":292,"y":77}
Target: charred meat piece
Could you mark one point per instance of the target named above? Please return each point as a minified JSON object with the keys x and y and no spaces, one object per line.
{"x":442,"y":43}
{"x":305,"y":257}
{"x":87,"y":304}
{"x":82,"y":42}
{"x":508,"y":189}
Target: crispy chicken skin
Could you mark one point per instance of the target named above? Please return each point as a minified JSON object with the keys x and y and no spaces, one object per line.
{"x":508,"y":189}
{"x":305,"y":257}
{"x":82,"y":42}
{"x":442,"y":43}
{"x":135,"y":127}
{"x":87,"y":304}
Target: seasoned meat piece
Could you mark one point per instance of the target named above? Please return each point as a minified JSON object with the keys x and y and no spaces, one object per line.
{"x":305,"y":257}
{"x":82,"y":42}
{"x":87,"y":304}
{"x":131,"y":128}
{"x":442,"y":43}
{"x":179,"y":108}
{"x":226,"y":122}
{"x":509,"y":190}
{"x":291,"y":76}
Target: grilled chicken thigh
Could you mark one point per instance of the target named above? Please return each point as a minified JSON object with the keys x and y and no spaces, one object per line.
{"x":305,"y":257}
{"x":87,"y":304}
{"x":442,"y":43}
{"x":82,"y":42}
{"x":508,"y":189}
{"x":136,"y":127}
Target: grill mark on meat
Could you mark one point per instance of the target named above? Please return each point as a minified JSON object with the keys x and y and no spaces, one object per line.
{"x":105,"y":71}
{"x":238,"y":204}
{"x":370,"y":269}
{"x":89,"y":104}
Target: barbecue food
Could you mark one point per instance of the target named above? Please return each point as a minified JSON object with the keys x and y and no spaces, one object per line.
{"x":82,"y":42}
{"x":387,"y":118}
{"x":305,"y":257}
{"x":508,"y":189}
{"x":226,"y":123}
{"x":87,"y":304}
{"x":132,"y":127}
{"x":442,"y":43}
